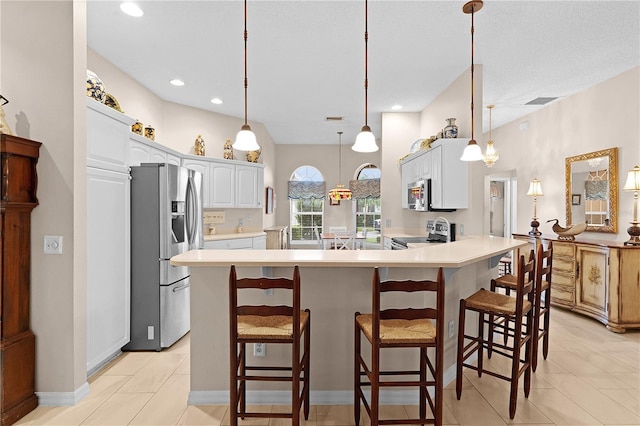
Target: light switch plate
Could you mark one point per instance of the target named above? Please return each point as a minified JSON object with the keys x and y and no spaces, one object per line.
{"x":52,"y":244}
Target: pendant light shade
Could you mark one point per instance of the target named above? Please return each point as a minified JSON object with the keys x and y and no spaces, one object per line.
{"x":366,"y":141}
{"x":340,"y":192}
{"x":245,"y":139}
{"x":472,"y":152}
{"x":491,"y":156}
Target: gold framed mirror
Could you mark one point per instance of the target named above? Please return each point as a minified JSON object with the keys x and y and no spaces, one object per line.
{"x":591,"y":188}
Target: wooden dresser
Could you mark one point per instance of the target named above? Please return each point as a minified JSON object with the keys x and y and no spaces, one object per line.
{"x":18,"y":158}
{"x":596,"y":278}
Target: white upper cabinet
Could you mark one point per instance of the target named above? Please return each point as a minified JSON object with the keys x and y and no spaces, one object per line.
{"x":227,"y":184}
{"x":107,"y":137}
{"x":143,"y":150}
{"x":449,"y":175}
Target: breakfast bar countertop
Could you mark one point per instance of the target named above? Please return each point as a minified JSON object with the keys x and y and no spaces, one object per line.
{"x":450,"y":255}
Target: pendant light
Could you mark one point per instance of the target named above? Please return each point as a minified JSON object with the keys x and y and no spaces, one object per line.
{"x":491,"y":156}
{"x":245,"y":139}
{"x":472,"y":151}
{"x":365,"y":141}
{"x":340,"y":192}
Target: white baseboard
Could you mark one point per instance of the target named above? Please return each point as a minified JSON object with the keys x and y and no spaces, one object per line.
{"x":63,"y":398}
{"x":339,"y":397}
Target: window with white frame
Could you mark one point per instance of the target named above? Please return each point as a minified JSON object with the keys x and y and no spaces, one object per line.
{"x":307,"y":190}
{"x":367,"y":205}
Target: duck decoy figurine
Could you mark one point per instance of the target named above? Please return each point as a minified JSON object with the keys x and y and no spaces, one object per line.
{"x":567,"y":233}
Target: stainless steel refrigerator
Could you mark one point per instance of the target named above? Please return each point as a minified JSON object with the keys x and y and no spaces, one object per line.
{"x":166,"y":220}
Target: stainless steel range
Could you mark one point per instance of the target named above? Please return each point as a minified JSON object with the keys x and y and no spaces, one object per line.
{"x":439,"y":231}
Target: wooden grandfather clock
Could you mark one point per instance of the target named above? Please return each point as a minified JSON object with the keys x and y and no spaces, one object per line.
{"x":18,"y":183}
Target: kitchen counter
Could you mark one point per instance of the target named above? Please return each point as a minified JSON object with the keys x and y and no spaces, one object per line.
{"x":231,"y":236}
{"x":334,"y":284}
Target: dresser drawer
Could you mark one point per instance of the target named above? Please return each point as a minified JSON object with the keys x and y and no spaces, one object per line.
{"x":562,"y":279}
{"x":563,"y":295}
{"x":563,"y":250}
{"x":563,"y":265}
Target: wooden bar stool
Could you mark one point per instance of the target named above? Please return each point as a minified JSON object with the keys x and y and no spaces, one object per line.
{"x":518,"y":348}
{"x":268,"y":324}
{"x":542,"y":300}
{"x":421,"y":328}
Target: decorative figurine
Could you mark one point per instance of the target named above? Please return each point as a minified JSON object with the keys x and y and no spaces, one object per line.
{"x":137,"y":128}
{"x":198,"y":148}
{"x":569,"y":233}
{"x":228,"y":150}
{"x":150,"y":133}
{"x":252,"y":156}
{"x":4,"y":126}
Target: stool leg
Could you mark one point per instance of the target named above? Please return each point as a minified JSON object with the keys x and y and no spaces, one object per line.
{"x":535,"y":332}
{"x":233,"y":384}
{"x":243,"y":383}
{"x":461,"y":319}
{"x":423,"y":378}
{"x":356,"y":373}
{"x":481,"y":343}
{"x":375,"y":383}
{"x":307,"y":374}
{"x":491,"y":325}
{"x":295,"y":383}
{"x":547,"y":314}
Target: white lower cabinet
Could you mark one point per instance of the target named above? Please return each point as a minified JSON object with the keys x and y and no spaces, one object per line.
{"x":108,"y":265}
{"x":259,"y":242}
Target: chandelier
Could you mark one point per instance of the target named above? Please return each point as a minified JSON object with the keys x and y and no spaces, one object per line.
{"x":340,"y":192}
{"x":491,"y":156}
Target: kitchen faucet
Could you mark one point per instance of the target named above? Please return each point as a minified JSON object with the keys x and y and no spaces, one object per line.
{"x":446,"y":230}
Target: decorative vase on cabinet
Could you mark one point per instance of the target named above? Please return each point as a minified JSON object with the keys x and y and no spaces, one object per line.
{"x":451,"y":129}
{"x":18,"y":158}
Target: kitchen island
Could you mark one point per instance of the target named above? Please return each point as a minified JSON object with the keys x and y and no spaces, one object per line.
{"x":334,"y":284}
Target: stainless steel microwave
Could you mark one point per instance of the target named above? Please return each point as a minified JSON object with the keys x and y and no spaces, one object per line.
{"x":419,"y":197}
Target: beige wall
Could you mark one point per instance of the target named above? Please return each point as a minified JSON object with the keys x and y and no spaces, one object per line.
{"x":43,"y":76}
{"x":177,"y":126}
{"x":601,"y":117}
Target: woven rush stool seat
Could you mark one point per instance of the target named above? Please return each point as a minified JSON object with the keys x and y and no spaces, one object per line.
{"x":273,"y":324}
{"x":495,"y":308}
{"x":542,"y":300}
{"x":401,"y":327}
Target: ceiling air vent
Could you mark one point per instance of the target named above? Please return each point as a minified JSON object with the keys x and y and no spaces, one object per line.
{"x":333,"y":118}
{"x":540,"y":101}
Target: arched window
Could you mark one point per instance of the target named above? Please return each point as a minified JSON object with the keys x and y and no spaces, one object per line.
{"x":366,"y":190}
{"x":307,"y":190}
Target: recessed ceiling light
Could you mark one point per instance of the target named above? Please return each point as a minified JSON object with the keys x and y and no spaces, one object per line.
{"x":216,"y":101}
{"x":177,"y":82}
{"x":131,"y":9}
{"x":396,"y":107}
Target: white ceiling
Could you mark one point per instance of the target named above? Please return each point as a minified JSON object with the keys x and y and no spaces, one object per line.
{"x":306,"y":58}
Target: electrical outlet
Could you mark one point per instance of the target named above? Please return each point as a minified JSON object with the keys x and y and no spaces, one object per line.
{"x":259,"y":349}
{"x":213,"y":217}
{"x":451,"y":329}
{"x":150,"y":332}
{"x":52,"y":244}
{"x":461,"y":228}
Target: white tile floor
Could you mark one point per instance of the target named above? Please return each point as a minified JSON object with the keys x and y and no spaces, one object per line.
{"x":592,"y":377}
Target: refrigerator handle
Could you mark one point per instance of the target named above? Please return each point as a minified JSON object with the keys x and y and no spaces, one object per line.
{"x":190,"y":212}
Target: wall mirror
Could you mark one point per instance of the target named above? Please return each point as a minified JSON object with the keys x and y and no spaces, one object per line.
{"x":591,"y":187}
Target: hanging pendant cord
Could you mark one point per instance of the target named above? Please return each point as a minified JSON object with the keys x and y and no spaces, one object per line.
{"x":246,"y":81}
{"x":366,"y":61}
{"x":340,"y":157}
{"x":472,"y":69}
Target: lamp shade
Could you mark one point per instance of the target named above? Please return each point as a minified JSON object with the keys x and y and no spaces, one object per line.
{"x":633,"y":180}
{"x":246,"y":140}
{"x":472,"y":152}
{"x":535,"y":188}
{"x":365,"y":141}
